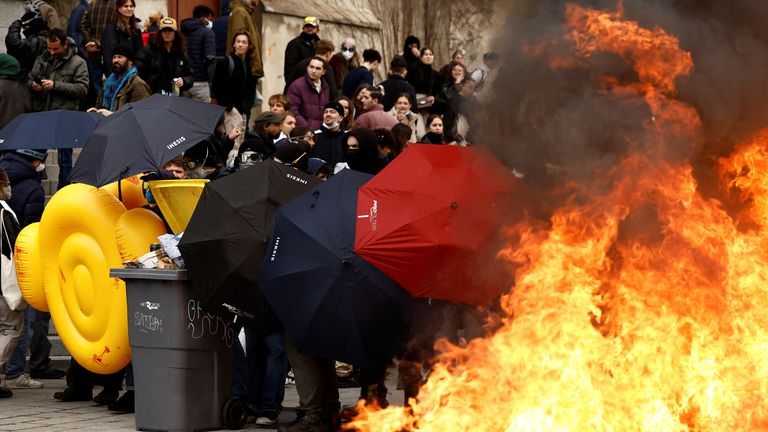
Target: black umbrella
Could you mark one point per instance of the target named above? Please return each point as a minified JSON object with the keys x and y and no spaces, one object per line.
{"x":332,"y":302}
{"x":142,"y":136}
{"x":49,"y":130}
{"x":225,"y":239}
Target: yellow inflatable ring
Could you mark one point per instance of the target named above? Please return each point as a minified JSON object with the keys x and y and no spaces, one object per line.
{"x":136,"y":230}
{"x":87,"y":306}
{"x":28,"y":270}
{"x":133,"y":194}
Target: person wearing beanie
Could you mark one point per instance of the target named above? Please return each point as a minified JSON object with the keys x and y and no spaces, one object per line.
{"x":14,"y":96}
{"x":124,"y":85}
{"x":26,"y":48}
{"x":329,"y":136}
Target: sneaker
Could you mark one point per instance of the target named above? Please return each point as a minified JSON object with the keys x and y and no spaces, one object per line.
{"x":308,"y":423}
{"x":5,"y":393}
{"x":23,"y":381}
{"x":125,"y":404}
{"x":266,"y":419}
{"x":48,"y":374}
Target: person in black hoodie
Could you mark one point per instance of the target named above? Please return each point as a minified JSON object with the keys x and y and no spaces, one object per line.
{"x":302,"y":46}
{"x":201,"y":49}
{"x":163,"y":65}
{"x":28,"y":48}
{"x":362,"y":151}
{"x":411,"y":50}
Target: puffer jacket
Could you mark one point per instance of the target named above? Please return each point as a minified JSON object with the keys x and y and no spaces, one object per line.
{"x":69,"y":74}
{"x":307,"y":102}
{"x":201,"y":47}
{"x":25,"y":49}
{"x":27,"y":196}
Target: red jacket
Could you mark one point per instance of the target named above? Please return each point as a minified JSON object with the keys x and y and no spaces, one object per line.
{"x":307,"y":102}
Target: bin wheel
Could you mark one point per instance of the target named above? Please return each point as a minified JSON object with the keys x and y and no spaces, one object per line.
{"x":234,"y":413}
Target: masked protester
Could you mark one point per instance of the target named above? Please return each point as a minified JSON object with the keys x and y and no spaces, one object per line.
{"x":362,"y":151}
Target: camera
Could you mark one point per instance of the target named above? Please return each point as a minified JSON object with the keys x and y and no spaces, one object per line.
{"x":38,"y":81}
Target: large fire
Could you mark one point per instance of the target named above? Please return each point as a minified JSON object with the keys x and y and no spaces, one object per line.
{"x":641,"y":307}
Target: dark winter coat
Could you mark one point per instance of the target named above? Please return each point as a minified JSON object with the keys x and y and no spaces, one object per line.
{"x":14,"y":100}
{"x":25,"y":49}
{"x":69,"y":74}
{"x":115,"y":36}
{"x":157,"y":67}
{"x":307,"y":102}
{"x":220,"y":31}
{"x":258,"y":142}
{"x":134,"y":90}
{"x":393,"y":87}
{"x":355,"y":78}
{"x":328,"y":146}
{"x":73,"y":27}
{"x":233,"y":90}
{"x":299,"y":48}
{"x":424,"y":79}
{"x":201,"y":46}
{"x":27,"y":196}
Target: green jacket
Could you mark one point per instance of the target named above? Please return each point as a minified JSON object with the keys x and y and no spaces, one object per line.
{"x":241,"y":19}
{"x":69,"y":74}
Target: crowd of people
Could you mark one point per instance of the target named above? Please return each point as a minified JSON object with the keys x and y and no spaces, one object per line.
{"x":97,"y":55}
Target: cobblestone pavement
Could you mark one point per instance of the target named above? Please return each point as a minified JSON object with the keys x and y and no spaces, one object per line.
{"x":37,"y":410}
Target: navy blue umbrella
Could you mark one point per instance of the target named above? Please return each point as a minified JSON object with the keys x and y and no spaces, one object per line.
{"x":142,"y":136}
{"x":49,"y":130}
{"x":332,"y":302}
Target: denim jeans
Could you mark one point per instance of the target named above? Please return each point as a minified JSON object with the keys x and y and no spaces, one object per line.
{"x":259,"y":371}
{"x":18,"y":359}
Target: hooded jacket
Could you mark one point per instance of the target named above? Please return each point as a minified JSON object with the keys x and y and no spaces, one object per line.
{"x":366,"y":159}
{"x":240,"y":19}
{"x":69,"y":74}
{"x":201,"y":46}
{"x":28,"y":48}
{"x":14,"y":97}
{"x":27,"y":196}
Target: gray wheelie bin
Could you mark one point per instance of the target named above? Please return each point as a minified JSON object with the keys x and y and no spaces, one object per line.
{"x":181,"y":355}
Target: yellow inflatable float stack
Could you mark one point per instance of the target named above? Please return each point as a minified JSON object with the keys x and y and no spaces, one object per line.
{"x":63,"y":266}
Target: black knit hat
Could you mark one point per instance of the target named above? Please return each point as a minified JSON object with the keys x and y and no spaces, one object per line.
{"x":125,"y":51}
{"x":335,"y":106}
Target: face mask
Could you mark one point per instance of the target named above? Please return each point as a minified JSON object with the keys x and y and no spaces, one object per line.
{"x":209,"y":25}
{"x":5,"y":193}
{"x":196,"y":173}
{"x":331,"y":126}
{"x":40,"y":168}
{"x":347,"y":55}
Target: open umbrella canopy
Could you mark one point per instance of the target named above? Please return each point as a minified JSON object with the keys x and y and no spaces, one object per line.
{"x":49,"y":130}
{"x":332,"y":302}
{"x":142,"y":136}
{"x":223,"y":245}
{"x":431,"y":220}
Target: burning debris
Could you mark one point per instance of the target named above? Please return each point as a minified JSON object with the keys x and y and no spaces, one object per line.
{"x":639,"y":301}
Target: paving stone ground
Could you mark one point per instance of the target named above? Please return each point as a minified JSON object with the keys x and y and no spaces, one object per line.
{"x":36,"y":410}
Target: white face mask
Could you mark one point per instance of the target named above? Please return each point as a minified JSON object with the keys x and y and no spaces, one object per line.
{"x":40,"y":168}
{"x":210,"y":24}
{"x":331,"y":126}
{"x":5,"y":193}
{"x":347,"y":55}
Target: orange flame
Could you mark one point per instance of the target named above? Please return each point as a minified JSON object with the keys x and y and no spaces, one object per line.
{"x":639,"y":308}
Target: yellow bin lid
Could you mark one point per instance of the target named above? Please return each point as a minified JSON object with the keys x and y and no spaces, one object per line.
{"x":177,"y":200}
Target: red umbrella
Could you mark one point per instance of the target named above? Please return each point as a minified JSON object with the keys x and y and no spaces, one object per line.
{"x":430,"y":220}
